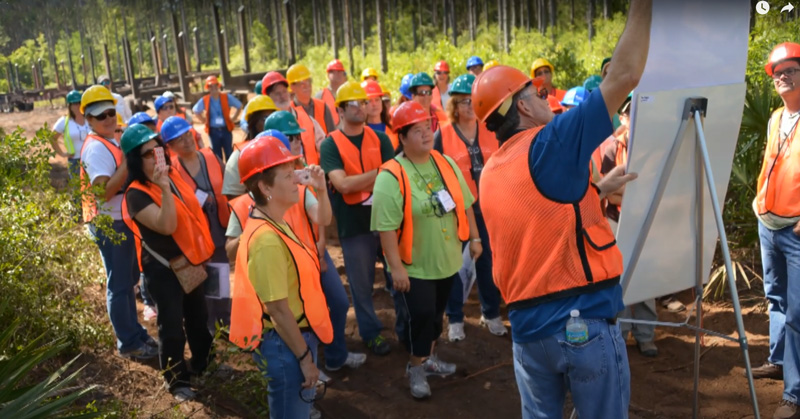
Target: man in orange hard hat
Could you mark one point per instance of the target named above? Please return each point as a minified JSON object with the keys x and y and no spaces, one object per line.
{"x":214,"y":110}
{"x":777,"y":208}
{"x":555,"y":258}
{"x":337,"y":76}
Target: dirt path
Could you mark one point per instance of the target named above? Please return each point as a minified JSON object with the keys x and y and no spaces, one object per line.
{"x":484,"y":384}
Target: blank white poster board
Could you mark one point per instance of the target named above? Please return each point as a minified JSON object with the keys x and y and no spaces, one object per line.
{"x":697,"y":49}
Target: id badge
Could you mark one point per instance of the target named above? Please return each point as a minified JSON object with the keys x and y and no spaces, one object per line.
{"x":219,"y":122}
{"x":446,"y":200}
{"x":368,"y":202}
{"x":201,"y":196}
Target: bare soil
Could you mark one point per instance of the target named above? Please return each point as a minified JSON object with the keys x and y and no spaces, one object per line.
{"x":484,"y":384}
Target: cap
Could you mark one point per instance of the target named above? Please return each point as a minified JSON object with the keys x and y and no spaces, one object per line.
{"x":99,"y":107}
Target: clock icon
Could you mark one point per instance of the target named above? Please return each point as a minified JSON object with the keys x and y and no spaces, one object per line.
{"x":762,"y":7}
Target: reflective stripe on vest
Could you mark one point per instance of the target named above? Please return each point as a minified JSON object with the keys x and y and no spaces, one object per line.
{"x":226,"y":111}
{"x":779,"y":181}
{"x":327,"y":97}
{"x":358,"y":161}
{"x":192,"y":234}
{"x":550,"y":250}
{"x":89,"y":204}
{"x":214,"y":172}
{"x":405,"y":234}
{"x":454,"y":147}
{"x":307,"y":137}
{"x":70,"y":146}
{"x":247,"y":311}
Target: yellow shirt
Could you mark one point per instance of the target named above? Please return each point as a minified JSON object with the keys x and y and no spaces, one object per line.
{"x":272,"y":271}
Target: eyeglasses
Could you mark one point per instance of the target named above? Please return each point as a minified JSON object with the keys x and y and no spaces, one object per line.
{"x":105,"y":83}
{"x":467,"y":102}
{"x":789,"y":72}
{"x":168,"y":107}
{"x":293,"y":138}
{"x":149,"y":154}
{"x":424,"y":92}
{"x":320,"y":390}
{"x":441,"y":72}
{"x":357,"y":103}
{"x":111,"y":113}
{"x":542,"y":72}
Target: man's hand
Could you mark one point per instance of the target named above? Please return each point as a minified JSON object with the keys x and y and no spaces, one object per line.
{"x":796,"y":228}
{"x":614,"y":181}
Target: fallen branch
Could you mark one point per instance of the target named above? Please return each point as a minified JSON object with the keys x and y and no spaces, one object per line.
{"x":477,"y":373}
{"x":689,"y":364}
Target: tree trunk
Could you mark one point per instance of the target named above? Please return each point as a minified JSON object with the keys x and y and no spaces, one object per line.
{"x":331,"y":19}
{"x":348,"y":39}
{"x":504,"y":17}
{"x":572,"y":13}
{"x":433,"y":13}
{"x":513,"y":8}
{"x":290,"y":32}
{"x":590,"y":20}
{"x":471,"y":9}
{"x":605,"y":9}
{"x":381,"y":35}
{"x":453,"y":28}
{"x":279,"y":30}
{"x":552,"y":13}
{"x":364,"y":30}
{"x":314,"y":18}
{"x":414,"y":26}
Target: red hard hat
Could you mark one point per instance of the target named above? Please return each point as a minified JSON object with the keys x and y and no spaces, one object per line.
{"x":441,"y":66}
{"x":372,"y":88}
{"x":782,"y":52}
{"x":262,"y":153}
{"x":408,"y":113}
{"x":212,"y":80}
{"x":271,"y":78}
{"x":491,"y":89}
{"x":334,"y":65}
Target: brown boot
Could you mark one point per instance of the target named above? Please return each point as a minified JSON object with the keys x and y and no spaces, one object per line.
{"x":786,"y":410}
{"x":768,"y":370}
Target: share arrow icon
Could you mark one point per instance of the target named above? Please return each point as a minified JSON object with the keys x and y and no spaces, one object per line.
{"x":788,"y":8}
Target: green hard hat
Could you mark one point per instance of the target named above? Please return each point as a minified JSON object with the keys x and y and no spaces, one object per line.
{"x":462,"y":84}
{"x":592,"y":82}
{"x":284,"y":122}
{"x":421,"y":79}
{"x":73,"y":97}
{"x":135,"y":136}
{"x":257,"y":89}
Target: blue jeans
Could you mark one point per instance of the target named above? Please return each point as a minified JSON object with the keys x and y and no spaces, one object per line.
{"x":359,"y":264}
{"x":780,"y":257}
{"x":488,"y":294}
{"x":122,"y":274}
{"x":221,"y":140}
{"x":336,"y":352}
{"x":595,"y":372}
{"x":285,"y":378}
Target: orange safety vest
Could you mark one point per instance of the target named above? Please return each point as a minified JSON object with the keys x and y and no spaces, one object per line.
{"x":438,"y":118}
{"x":88,"y":204}
{"x":240,"y":207}
{"x":247,"y":310}
{"x":392,"y":137}
{"x":779,"y":181}
{"x":215,"y":173}
{"x":226,"y":111}
{"x":296,"y":216}
{"x":405,"y":234}
{"x":436,"y":97}
{"x":192,"y":236}
{"x":557,"y":249}
{"x":327,"y":97}
{"x":453,"y":146}
{"x":358,"y":161}
{"x":307,"y":137}
{"x":319,"y":111}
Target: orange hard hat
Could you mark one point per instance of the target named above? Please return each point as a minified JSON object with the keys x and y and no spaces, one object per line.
{"x":210,"y":80}
{"x":441,"y":66}
{"x":782,"y":52}
{"x":334,"y":65}
{"x":262,"y":153}
{"x":408,"y":113}
{"x":270,"y":79}
{"x":372,"y":88}
{"x":492,"y":90}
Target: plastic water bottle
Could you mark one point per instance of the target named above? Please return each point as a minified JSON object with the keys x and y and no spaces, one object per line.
{"x":577,"y":331}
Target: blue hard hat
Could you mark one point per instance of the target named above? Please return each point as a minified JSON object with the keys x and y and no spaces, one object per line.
{"x":174,"y":127}
{"x":161,"y":101}
{"x":277,"y":134}
{"x":473,"y":61}
{"x":141,"y":118}
{"x":405,"y":85}
{"x":575,"y":96}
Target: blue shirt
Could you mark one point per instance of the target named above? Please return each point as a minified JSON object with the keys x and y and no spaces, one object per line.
{"x":559,"y":164}
{"x":378,"y":127}
{"x":215,"y":118}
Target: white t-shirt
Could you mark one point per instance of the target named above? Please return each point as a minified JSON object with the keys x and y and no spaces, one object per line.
{"x":99,"y":161}
{"x":231,"y":184}
{"x":122,"y":107}
{"x":77,"y":133}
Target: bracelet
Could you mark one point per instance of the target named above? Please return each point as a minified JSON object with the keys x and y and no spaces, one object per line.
{"x":478,"y":240}
{"x":305,"y":354}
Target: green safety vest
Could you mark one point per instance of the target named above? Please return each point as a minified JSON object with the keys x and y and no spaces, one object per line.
{"x":68,"y":139}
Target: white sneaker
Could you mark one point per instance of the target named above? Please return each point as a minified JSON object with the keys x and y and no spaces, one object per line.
{"x":495,"y":325}
{"x":435,"y":366}
{"x":455,"y":332}
{"x":354,"y":360}
{"x":315,"y":414}
{"x":325,"y":378}
{"x":418,"y":382}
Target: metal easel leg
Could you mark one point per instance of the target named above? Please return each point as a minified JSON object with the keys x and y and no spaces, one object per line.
{"x":698,"y":308}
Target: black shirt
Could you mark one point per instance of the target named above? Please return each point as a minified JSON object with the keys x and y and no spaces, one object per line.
{"x":165,"y":246}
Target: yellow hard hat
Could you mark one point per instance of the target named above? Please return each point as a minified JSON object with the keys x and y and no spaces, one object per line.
{"x":296,"y":73}
{"x":386,"y":92}
{"x":369,"y":72}
{"x":350,"y":91}
{"x":120,"y":122}
{"x":489,"y":64}
{"x":259,"y":103}
{"x":538,"y":63}
{"x":94,"y":94}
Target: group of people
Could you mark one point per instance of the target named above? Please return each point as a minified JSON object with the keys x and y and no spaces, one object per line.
{"x":454,"y":177}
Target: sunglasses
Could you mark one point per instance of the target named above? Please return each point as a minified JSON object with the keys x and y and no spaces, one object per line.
{"x":149,"y":154}
{"x":424,"y":92}
{"x":357,"y":103}
{"x":321,"y":388}
{"x":442,"y":72}
{"x":111,"y":113}
{"x":168,"y":107}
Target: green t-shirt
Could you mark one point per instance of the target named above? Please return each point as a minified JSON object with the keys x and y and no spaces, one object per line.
{"x":351,"y":220}
{"x":436,"y":251}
